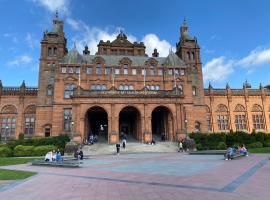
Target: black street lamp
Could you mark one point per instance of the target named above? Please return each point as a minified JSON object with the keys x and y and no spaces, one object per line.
{"x":186,"y":121}
{"x":6,"y":130}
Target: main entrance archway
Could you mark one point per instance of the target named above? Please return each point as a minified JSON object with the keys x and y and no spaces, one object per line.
{"x":162,"y":123}
{"x":96,"y":124}
{"x":130,"y":123}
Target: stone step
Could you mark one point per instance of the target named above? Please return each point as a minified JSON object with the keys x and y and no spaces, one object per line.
{"x":132,"y":147}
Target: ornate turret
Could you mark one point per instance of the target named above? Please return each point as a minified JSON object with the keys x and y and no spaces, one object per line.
{"x":86,"y":51}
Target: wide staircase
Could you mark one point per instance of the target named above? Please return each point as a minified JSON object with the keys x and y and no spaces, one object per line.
{"x":131,"y":147}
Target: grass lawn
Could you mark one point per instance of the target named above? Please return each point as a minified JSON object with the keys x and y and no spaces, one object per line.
{"x":260,"y":150}
{"x":15,"y":161}
{"x":14,"y":175}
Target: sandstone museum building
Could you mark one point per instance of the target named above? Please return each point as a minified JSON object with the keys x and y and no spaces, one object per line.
{"x":120,"y":88}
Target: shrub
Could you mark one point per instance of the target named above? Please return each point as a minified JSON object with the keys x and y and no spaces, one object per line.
{"x":42,"y":150}
{"x":221,"y":146}
{"x":255,"y":145}
{"x":5,"y":151}
{"x":21,"y":136}
{"x":200,"y":147}
{"x":21,"y":150}
{"x":266,"y":143}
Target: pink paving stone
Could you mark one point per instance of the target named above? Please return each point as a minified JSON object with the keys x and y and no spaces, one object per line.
{"x":86,"y":182}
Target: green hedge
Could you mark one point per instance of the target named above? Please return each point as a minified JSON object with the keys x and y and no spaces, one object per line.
{"x":58,"y":141}
{"x":42,"y":150}
{"x":22,"y":151}
{"x":223,"y":140}
{"x":5,"y":151}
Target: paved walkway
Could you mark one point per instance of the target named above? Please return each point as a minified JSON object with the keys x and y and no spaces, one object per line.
{"x":148,"y":176}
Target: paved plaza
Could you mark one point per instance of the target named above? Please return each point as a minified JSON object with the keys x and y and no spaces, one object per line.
{"x":147,"y":176}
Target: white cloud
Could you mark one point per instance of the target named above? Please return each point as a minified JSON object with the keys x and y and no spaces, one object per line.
{"x":218,"y":69}
{"x":53,"y":5}
{"x":92,"y":35}
{"x":255,"y":58}
{"x":31,"y":41}
{"x":20,"y":60}
{"x":152,"y":41}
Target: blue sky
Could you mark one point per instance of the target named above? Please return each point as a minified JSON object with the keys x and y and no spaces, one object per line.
{"x":234,"y":35}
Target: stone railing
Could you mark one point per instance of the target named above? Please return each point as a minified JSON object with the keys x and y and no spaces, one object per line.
{"x":19,"y":91}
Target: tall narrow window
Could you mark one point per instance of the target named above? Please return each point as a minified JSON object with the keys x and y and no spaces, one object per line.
{"x":8,"y":117}
{"x":67,"y":119}
{"x":98,"y":69}
{"x":134,"y":71}
{"x":257,"y":117}
{"x":144,"y":72}
{"x":125,"y":69}
{"x":69,"y":90}
{"x":152,"y":71}
{"x":160,"y":72}
{"x":54,"y":51}
{"x":222,"y":118}
{"x":107,"y":70}
{"x":194,"y":91}
{"x":116,"y":71}
{"x":29,"y":121}
{"x":49,"y":90}
{"x":50,"y":51}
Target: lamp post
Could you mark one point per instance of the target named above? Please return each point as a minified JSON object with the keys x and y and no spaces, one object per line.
{"x":186,"y":121}
{"x":7,"y":127}
{"x":72,"y":124}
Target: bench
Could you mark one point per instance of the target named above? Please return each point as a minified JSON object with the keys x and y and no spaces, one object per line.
{"x":65,"y":163}
{"x":235,"y":156}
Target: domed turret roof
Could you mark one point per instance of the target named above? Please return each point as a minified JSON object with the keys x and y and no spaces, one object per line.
{"x":73,"y":57}
{"x":173,"y":60}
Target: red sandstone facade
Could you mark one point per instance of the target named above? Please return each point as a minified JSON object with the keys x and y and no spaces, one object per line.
{"x":121,"y":89}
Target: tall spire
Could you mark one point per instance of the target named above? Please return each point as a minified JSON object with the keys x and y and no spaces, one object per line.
{"x":184,"y":27}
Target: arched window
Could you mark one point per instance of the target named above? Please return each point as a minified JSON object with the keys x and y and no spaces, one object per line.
{"x":240,"y":121}
{"x":192,"y":55}
{"x":50,"y":51}
{"x":188,"y":55}
{"x":69,"y":90}
{"x":222,"y":118}
{"x":257,"y":117}
{"x":197,"y":126}
{"x":67,"y":119}
{"x":194,"y":91}
{"x":29,"y":121}
{"x":180,"y":87}
{"x":8,"y":118}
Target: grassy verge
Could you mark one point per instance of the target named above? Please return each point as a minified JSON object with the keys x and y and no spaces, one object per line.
{"x":15,"y":161}
{"x":260,"y":150}
{"x":14,"y":175}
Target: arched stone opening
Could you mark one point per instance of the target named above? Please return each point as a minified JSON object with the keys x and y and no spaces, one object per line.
{"x":162,"y":124}
{"x":96,"y":124}
{"x":130,"y":123}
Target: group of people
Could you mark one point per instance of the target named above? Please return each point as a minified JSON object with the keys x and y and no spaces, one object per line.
{"x":78,"y":154}
{"x":53,"y":156}
{"x":92,"y":139}
{"x":231,"y":151}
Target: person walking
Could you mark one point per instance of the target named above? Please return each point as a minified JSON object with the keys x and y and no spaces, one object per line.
{"x":117,"y":148}
{"x":124,"y":143}
{"x":180,"y":146}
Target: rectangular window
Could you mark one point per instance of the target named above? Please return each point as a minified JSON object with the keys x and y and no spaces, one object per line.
{"x":160,"y":72}
{"x":77,"y":70}
{"x":125,"y":69}
{"x":182,"y":72}
{"x":114,"y":51}
{"x":223,"y":122}
{"x":134,"y":71}
{"x":98,"y":69}
{"x":170,"y":71}
{"x":70,"y":70}
{"x":89,"y":70}
{"x":107,"y":70}
{"x":29,"y":125}
{"x":8,"y":126}
{"x":152,"y":71}
{"x":143,"y":72}
{"x":116,"y":71}
{"x":64,"y":70}
{"x":240,"y":122}
{"x":208,"y":122}
{"x":258,"y":121}
{"x":67,"y":119}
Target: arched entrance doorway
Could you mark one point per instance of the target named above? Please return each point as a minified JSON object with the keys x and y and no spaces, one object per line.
{"x":130,"y":123}
{"x":96,"y":124}
{"x":162,"y":124}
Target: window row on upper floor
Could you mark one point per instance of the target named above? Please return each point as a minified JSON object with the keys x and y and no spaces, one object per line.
{"x":98,"y":70}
